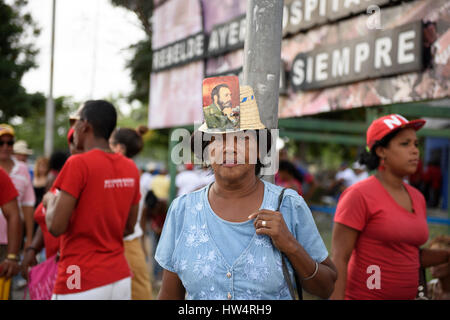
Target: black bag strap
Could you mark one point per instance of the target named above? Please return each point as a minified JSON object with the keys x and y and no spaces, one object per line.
{"x":287,"y":278}
{"x":422,"y":292}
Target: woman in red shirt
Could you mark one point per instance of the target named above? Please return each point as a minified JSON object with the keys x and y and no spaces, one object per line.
{"x":380,"y":222}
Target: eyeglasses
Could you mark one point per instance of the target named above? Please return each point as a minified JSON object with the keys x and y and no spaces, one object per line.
{"x":9,"y":143}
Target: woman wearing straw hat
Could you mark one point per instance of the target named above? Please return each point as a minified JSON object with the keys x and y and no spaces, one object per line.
{"x":381,"y":221}
{"x":224,"y":240}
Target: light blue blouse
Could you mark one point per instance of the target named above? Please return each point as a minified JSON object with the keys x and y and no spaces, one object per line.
{"x":217,"y":260}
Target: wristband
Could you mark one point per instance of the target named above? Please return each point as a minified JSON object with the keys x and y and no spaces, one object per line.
{"x":31,"y":248}
{"x":13,"y":257}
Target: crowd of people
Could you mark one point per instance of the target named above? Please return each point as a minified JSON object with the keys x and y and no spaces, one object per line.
{"x":229,"y":234}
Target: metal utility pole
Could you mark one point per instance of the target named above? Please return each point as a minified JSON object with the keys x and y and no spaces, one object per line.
{"x":50,"y":106}
{"x":262,"y":57}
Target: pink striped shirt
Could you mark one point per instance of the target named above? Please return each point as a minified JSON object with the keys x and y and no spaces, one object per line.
{"x":22,"y":181}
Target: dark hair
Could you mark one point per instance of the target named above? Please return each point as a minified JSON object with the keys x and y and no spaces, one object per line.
{"x":57,"y":160}
{"x":131,"y":139}
{"x":289,"y":167}
{"x":205,"y":138}
{"x":150,"y":200}
{"x":101,"y":115}
{"x":216,"y":90}
{"x":371,"y":159}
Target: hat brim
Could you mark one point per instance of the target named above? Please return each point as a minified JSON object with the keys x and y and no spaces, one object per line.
{"x":204,"y":128}
{"x":415,"y":124}
{"x":7,"y":131}
{"x":26,"y":152}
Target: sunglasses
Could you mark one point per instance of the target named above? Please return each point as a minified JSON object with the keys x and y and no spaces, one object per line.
{"x":9,"y":143}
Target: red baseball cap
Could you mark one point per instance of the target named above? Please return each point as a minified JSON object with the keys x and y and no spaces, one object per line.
{"x":381,"y":127}
{"x":70,"y":135}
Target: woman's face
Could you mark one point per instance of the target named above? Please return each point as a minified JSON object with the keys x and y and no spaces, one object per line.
{"x":6,"y":146}
{"x":43,"y":168}
{"x":233,"y":155}
{"x":402,"y":153}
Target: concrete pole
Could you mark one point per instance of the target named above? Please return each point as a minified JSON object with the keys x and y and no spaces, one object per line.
{"x":172,"y":169}
{"x":50,"y":106}
{"x":262,"y":57}
{"x":448,"y":187}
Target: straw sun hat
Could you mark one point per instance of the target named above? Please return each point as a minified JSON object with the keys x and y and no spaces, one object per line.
{"x":21,"y":147}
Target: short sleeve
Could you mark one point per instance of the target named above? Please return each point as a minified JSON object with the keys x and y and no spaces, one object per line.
{"x":352,"y":210}
{"x":303,"y":226}
{"x":73,"y":176}
{"x":170,"y":234}
{"x":8,"y":191}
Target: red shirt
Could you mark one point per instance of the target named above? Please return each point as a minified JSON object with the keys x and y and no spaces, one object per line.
{"x":106,"y":185}
{"x":51,"y":243}
{"x":389,"y":238}
{"x":7,"y":190}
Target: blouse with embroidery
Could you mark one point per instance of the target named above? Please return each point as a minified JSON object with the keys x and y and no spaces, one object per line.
{"x":217,"y":259}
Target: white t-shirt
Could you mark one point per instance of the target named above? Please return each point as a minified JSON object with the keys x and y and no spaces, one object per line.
{"x":348,"y":175}
{"x":359,"y":177}
{"x":188,"y":181}
{"x":145,"y":181}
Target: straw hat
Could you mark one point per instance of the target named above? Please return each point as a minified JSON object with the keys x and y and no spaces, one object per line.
{"x":75,"y":115}
{"x":249,"y":114}
{"x":21,"y":147}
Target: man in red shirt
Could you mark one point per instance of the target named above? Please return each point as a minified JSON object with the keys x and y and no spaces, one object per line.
{"x":9,"y":255}
{"x":95,"y":208}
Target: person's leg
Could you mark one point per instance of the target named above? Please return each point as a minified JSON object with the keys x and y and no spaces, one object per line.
{"x":3,"y":254}
{"x":140,"y":282}
{"x":121,"y":290}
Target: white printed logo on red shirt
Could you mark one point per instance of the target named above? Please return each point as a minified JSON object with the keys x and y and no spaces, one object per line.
{"x":119,"y":183}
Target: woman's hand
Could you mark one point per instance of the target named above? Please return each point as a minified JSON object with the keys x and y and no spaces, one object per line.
{"x":29,"y":260}
{"x":48,"y":196}
{"x":272,"y":223}
{"x":321,"y":283}
{"x":9,"y":268}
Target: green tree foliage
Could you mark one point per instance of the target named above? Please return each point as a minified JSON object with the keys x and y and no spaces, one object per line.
{"x":141,"y":64}
{"x":30,"y":128}
{"x":141,"y":67}
{"x":17,"y":56}
{"x":143,"y":10}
